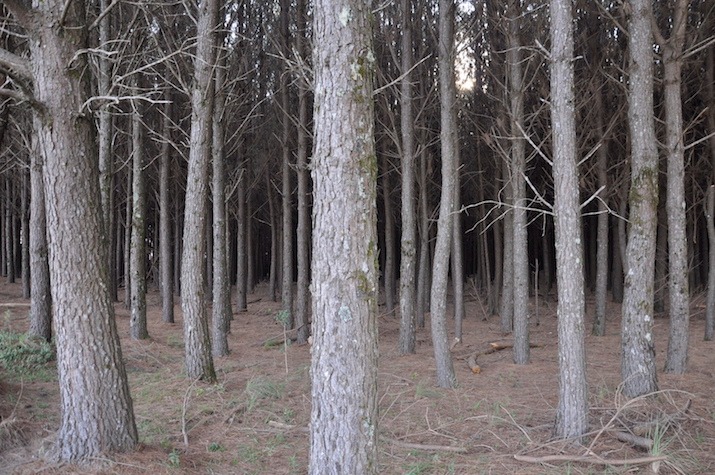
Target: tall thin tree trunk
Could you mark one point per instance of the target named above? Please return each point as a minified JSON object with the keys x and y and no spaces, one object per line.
{"x":457,"y":261}
{"x":408,"y":239}
{"x":9,"y":234}
{"x":273,"y":213}
{"x":178,"y":245}
{"x":302,"y":297}
{"x":286,"y":186}
{"x":710,"y":205}
{"x":678,"y":292}
{"x":241,"y":232}
{"x":389,"y":270}
{"x":165,"y":254}
{"x":518,"y":170}
{"x":445,"y":223}
{"x":137,"y":261}
{"x":506,"y":307}
{"x":221,"y":310}
{"x":638,"y":345}
{"x":572,"y":409}
{"x":423,"y":278}
{"x":199,"y":363}
{"x":25,"y":233}
{"x":710,"y":307}
{"x":105,"y":126}
{"x":128,"y":242}
{"x":599,"y":320}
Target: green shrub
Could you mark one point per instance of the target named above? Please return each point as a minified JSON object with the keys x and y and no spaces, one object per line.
{"x":21,"y":354}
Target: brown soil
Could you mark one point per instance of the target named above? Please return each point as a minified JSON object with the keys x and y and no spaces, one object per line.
{"x":255,"y":420}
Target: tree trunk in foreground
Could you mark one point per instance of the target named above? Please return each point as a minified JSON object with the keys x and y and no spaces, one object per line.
{"x":91,"y":373}
{"x":572,"y":409}
{"x":344,"y":269}
{"x":638,"y":347}
{"x":199,"y":363}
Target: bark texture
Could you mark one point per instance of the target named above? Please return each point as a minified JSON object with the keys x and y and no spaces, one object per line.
{"x":40,"y":297}
{"x":678,"y":289}
{"x":572,"y":408}
{"x":221,"y":309}
{"x":302,"y":296}
{"x":518,"y":180}
{"x":199,"y":363}
{"x":408,"y":239}
{"x":96,"y":408}
{"x":165,"y":254}
{"x":137,"y":259}
{"x":638,"y":358}
{"x":445,"y":223}
{"x":344,"y":269}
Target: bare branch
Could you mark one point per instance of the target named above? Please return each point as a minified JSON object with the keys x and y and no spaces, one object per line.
{"x":15,"y":65}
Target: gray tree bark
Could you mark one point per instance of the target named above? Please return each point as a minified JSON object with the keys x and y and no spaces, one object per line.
{"x":678,"y":291}
{"x":344,"y":269}
{"x":572,"y":408}
{"x":518,"y":180}
{"x":40,"y":294}
{"x":408,"y":240}
{"x":302,"y":297}
{"x":599,"y":320}
{"x":199,"y":363}
{"x":221,"y":309}
{"x":506,"y":304}
{"x":106,"y":149}
{"x":25,"y":233}
{"x":241,"y":258}
{"x":423,"y":277}
{"x":457,"y":255}
{"x":137,"y":259}
{"x":638,"y":346}
{"x":445,"y":223}
{"x":710,"y":306}
{"x":389,"y":264}
{"x":8,"y":232}
{"x":165,"y":254}
{"x":92,"y":378}
{"x":286,"y":186}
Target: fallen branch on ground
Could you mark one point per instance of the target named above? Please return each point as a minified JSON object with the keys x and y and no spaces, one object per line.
{"x":642,"y":442}
{"x":493,"y":348}
{"x":588,"y":459}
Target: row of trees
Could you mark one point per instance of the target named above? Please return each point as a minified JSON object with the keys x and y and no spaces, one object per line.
{"x":120,"y":120}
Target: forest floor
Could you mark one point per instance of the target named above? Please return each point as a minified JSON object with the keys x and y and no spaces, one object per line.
{"x":499,"y":421}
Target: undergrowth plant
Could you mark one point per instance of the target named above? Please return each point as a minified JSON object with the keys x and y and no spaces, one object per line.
{"x":21,"y":354}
